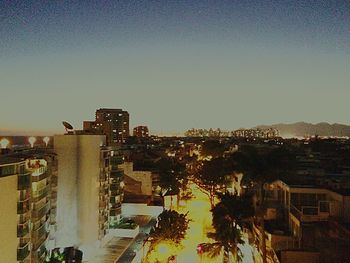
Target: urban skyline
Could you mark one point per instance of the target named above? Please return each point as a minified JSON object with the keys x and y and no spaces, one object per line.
{"x":174,"y":66}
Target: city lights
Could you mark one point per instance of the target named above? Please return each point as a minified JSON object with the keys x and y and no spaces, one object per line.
{"x":46,"y":140}
{"x":4,"y":143}
{"x":31,"y":141}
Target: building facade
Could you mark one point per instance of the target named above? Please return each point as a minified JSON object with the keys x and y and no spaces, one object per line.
{"x":27,"y":222}
{"x":114,"y":123}
{"x":90,"y":190}
{"x":141,"y":131}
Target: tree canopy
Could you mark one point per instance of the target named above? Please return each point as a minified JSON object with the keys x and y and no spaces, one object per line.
{"x":171,"y":225}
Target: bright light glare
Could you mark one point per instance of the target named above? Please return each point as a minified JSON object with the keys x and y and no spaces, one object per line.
{"x":46,"y":140}
{"x":4,"y":143}
{"x":32,"y":140}
{"x":198,"y":209}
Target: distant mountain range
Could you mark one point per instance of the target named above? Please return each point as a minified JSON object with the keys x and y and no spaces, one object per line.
{"x":301,"y":129}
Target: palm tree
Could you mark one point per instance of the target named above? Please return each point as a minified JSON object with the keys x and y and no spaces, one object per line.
{"x":230,"y":216}
{"x":261,"y":166}
{"x":226,"y":239}
{"x":171,"y":226}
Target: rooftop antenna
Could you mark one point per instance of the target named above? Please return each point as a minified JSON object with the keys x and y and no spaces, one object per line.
{"x":69,"y":128}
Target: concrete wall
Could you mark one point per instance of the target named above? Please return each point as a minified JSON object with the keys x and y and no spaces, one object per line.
{"x":67,"y":214}
{"x":130,"y":233}
{"x":129,"y":209}
{"x":8,"y":219}
{"x":88,"y":187}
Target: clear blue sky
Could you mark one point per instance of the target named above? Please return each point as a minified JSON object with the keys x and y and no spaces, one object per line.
{"x":174,"y":65}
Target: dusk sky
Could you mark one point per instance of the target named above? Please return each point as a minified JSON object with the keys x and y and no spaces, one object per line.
{"x":174,"y":65}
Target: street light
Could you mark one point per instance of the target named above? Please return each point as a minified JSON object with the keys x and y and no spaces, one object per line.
{"x":32,"y":140}
{"x":4,"y":143}
{"x":46,"y":140}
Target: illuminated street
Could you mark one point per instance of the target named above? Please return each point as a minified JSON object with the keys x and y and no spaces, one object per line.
{"x":198,"y":209}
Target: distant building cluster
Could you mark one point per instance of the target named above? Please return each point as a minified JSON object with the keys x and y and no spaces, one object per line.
{"x":240,"y":133}
{"x":256,"y":133}
{"x":141,"y":131}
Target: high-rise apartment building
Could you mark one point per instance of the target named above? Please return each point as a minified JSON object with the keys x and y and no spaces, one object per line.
{"x":26,"y":220}
{"x":90,"y":190}
{"x":114,"y":123}
{"x":141,"y":131}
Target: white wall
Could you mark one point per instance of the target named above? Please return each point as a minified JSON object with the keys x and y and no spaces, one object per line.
{"x":67,"y":190}
{"x":78,"y":188}
{"x":129,"y":209}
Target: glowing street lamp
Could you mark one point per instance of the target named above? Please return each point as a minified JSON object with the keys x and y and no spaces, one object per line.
{"x":32,"y":140}
{"x":4,"y":143}
{"x":46,"y":140}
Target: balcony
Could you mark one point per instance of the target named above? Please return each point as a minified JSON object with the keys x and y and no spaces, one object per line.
{"x":102,"y":218}
{"x":104,"y":191}
{"x":40,"y":254}
{"x":23,"y":241}
{"x":23,"y":218}
{"x":24,"y":195}
{"x":42,"y":211}
{"x":23,"y":207}
{"x":22,"y":230}
{"x":115,"y":210}
{"x":117,"y":173}
{"x":116,"y":160}
{"x":103,"y":177}
{"x":37,"y":178}
{"x":102,"y":204}
{"x":37,"y":195}
{"x":39,"y":170}
{"x":116,"y":192}
{"x":24,"y":181}
{"x":23,"y":253}
{"x":37,"y":242}
{"x":309,"y":214}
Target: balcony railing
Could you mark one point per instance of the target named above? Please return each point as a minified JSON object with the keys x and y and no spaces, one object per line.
{"x":42,"y":211}
{"x":24,"y":181}
{"x":23,"y":218}
{"x":22,"y":230}
{"x":115,"y":192}
{"x":102,"y":218}
{"x":39,"y":171}
{"x":37,"y":178}
{"x":37,"y":195}
{"x":116,"y":210}
{"x":117,"y":173}
{"x":104,"y":191}
{"x":37,"y":242}
{"x":24,"y":195}
{"x":23,"y":242}
{"x":308,"y":213}
{"x":102,"y":204}
{"x":23,"y":207}
{"x":116,"y":160}
{"x":23,"y":253}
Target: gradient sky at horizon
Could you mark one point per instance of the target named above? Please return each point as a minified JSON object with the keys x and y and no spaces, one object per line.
{"x":174,"y":65}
